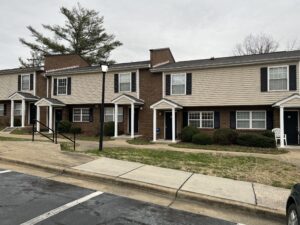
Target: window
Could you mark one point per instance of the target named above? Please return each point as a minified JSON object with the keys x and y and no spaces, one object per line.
{"x":61,"y":86}
{"x":251,"y":120}
{"x":25,"y":82}
{"x":201,"y":119}
{"x":81,"y":115}
{"x":125,"y":82}
{"x":178,"y":84}
{"x":18,"y":109}
{"x":1,"y":109}
{"x":278,"y":78}
{"x":109,"y":114}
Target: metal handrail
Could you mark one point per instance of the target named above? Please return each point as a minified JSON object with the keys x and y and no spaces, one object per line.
{"x":34,"y":130}
{"x":66,"y":137}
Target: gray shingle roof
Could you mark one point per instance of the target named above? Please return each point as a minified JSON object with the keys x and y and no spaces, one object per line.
{"x":93,"y":69}
{"x":230,"y":61}
{"x":25,"y":95}
{"x":19,"y":70}
{"x":54,"y":101}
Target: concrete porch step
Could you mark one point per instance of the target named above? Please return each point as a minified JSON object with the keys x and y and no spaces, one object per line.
{"x":8,"y":129}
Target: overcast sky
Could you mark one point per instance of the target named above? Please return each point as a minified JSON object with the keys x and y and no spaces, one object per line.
{"x":193,"y":29}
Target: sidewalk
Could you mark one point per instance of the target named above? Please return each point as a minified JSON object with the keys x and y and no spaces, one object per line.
{"x":179,"y":184}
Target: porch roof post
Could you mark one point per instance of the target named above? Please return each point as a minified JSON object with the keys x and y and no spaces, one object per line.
{"x":12,"y":113}
{"x":173,"y":125}
{"x":281,"y":126}
{"x":23,"y":109}
{"x":50,"y":118}
{"x":116,"y":120}
{"x":154,"y":124}
{"x":38,"y":118}
{"x":132,"y":120}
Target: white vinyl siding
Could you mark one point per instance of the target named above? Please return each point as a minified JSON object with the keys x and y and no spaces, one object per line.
{"x":1,"y":109}
{"x":178,"y":84}
{"x":62,"y":86}
{"x":201,"y":119}
{"x":125,"y":82}
{"x":278,"y":78}
{"x":251,"y":120}
{"x":25,"y":82}
{"x":18,"y":109}
{"x":81,"y":115}
{"x":109,"y":114}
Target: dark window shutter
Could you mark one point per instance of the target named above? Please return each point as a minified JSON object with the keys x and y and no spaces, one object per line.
{"x":270,"y":120}
{"x":55,"y":86}
{"x":188,"y":83}
{"x":264,"y":79}
{"x":19,"y":83}
{"x":4,"y":111}
{"x":116,"y":85}
{"x":91,"y":115}
{"x":133,"y":82}
{"x":292,"y":77}
{"x":168,"y":84}
{"x":71,"y":114}
{"x":69,"y":85}
{"x":31,"y":82}
{"x":185,"y":120}
{"x":216,"y":120}
{"x":232,"y":120}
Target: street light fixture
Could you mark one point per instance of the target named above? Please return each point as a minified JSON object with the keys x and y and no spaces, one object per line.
{"x":104,"y":69}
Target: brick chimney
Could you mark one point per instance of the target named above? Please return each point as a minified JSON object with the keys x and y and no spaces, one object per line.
{"x":56,"y":62}
{"x":161,"y":56}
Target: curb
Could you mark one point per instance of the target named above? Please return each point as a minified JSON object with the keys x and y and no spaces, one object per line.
{"x":170,"y":192}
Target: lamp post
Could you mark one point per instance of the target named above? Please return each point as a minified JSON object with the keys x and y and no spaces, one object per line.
{"x":104,"y":69}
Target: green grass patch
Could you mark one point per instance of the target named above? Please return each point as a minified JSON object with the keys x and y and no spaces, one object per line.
{"x":13,"y":139}
{"x":230,"y":148}
{"x":139,"y":141}
{"x":252,"y":169}
{"x":22,"y":131}
{"x":92,"y":138}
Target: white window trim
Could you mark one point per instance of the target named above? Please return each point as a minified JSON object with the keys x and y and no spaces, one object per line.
{"x":171,"y":83}
{"x":119,"y":81}
{"x":81,"y":115}
{"x":2,"y":105}
{"x":61,"y":78}
{"x":250,"y":120}
{"x":288,"y":78}
{"x":15,"y":109}
{"x":200,"y":112}
{"x":113,"y":108}
{"x":23,"y":75}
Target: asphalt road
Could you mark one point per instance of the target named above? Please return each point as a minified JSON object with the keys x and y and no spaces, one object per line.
{"x":32,"y":200}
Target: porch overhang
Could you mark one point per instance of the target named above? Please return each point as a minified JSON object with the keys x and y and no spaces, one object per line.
{"x":292,"y":101}
{"x":165,"y":104}
{"x":49,"y":102}
{"x":18,"y":96}
{"x":125,"y":99}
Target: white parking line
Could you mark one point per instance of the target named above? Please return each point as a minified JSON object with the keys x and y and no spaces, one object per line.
{"x":61,"y":209}
{"x":5,"y":171}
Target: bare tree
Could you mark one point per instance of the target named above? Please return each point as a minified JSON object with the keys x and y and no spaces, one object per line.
{"x":256,"y":44}
{"x":292,"y":45}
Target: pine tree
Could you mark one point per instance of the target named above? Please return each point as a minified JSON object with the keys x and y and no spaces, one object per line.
{"x":83,"y":34}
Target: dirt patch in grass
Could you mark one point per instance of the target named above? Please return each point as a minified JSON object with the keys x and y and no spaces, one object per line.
{"x":231,"y":148}
{"x":252,"y":169}
{"x":22,"y":131}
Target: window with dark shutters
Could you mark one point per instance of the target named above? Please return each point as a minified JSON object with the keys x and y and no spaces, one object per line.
{"x":270,"y":120}
{"x":31,"y":82}
{"x":4,"y":110}
{"x":188,"y":83}
{"x":264,"y":79}
{"x":133,"y":82}
{"x":232,"y":120}
{"x":116,"y":83}
{"x":55,"y":86}
{"x":216,"y":120}
{"x":292,"y":78}
{"x":168,"y":84}
{"x":69,"y":85}
{"x":91,"y":115}
{"x":185,"y":120}
{"x":70,"y":114}
{"x":19,"y":82}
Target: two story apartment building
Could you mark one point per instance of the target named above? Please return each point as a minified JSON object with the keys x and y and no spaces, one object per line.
{"x":158,"y":97}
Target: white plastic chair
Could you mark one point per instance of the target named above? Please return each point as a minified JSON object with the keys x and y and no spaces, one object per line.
{"x":276,"y":132}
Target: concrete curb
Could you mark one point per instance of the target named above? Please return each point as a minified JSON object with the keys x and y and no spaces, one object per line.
{"x":170,"y":192}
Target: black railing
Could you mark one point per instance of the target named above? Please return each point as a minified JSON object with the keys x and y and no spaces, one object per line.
{"x":51,"y":138}
{"x":65,"y":136}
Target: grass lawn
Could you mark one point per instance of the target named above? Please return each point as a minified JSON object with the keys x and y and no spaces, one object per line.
{"x":230,"y":148}
{"x":260,"y":170}
{"x":92,"y":138}
{"x":139,"y":141}
{"x":22,"y":131}
{"x":13,"y":139}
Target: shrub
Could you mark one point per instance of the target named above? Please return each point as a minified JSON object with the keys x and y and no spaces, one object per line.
{"x":256,"y":140}
{"x":225,"y":136}
{"x":64,"y":126}
{"x":268,"y":133}
{"x":109,"y":129}
{"x":75,"y":130}
{"x":188,"y":133}
{"x":202,"y":139}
